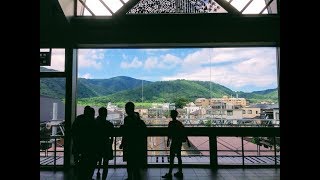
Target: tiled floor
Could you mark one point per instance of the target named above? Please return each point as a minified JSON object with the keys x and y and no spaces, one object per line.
{"x":189,"y":174}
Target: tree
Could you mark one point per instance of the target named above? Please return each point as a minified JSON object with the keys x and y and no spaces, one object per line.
{"x":180,"y":102}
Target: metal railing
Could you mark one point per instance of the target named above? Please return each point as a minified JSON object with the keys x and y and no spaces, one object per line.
{"x":213,"y":159}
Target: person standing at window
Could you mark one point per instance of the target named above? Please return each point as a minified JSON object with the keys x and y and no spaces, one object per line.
{"x":105,"y":140}
{"x":177,"y":135}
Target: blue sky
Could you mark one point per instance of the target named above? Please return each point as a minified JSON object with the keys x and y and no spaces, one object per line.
{"x":240,"y":69}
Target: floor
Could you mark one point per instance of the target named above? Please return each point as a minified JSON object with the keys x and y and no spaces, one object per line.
{"x":189,"y":174}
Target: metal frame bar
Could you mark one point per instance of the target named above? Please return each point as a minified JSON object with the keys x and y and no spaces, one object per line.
{"x":122,"y":2}
{"x":106,"y":6}
{"x":228,"y":7}
{"x":52,"y":74}
{"x":75,"y":8}
{"x":126,"y":7}
{"x":211,"y":156}
{"x":55,"y":154}
{"x":242,"y":149}
{"x":267,"y":5}
{"x":275,"y":151}
{"x":245,"y":7}
{"x":84,"y":4}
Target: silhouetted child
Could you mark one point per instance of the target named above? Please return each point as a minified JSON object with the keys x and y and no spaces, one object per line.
{"x":177,"y":135}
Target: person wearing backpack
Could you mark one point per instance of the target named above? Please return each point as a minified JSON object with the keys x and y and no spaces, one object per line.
{"x":177,"y":135}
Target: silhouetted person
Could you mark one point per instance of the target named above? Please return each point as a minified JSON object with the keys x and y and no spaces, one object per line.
{"x":84,"y":132}
{"x":77,"y":149}
{"x":123,"y":146}
{"x":105,"y":140}
{"x":177,"y":135}
{"x":135,"y":142}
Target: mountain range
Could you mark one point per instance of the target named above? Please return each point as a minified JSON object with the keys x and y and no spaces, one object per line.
{"x":123,"y":88}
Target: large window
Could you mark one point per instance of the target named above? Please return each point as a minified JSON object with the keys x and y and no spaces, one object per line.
{"x":52,"y":108}
{"x":52,"y":116}
{"x":206,"y":85}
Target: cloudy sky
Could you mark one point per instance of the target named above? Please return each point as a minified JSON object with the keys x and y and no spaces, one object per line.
{"x":240,"y":69}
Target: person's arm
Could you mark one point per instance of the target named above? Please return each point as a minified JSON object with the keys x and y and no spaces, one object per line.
{"x":169,"y":134}
{"x":189,"y":145}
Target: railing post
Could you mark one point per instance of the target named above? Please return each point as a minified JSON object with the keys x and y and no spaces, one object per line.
{"x":275,"y":151}
{"x":115,"y":151}
{"x":242,"y":148}
{"x":213,"y":152}
{"x":55,"y":153}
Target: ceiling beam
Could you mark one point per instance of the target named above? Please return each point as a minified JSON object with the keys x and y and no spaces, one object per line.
{"x":164,"y":30}
{"x":126,"y":7}
{"x":54,"y":25}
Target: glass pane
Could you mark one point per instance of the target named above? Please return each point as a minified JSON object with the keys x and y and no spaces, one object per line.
{"x":114,"y":5}
{"x":96,"y":7}
{"x":119,"y":152}
{"x":52,"y":114}
{"x":208,"y":86}
{"x":229,"y":150}
{"x":258,"y":150}
{"x":239,"y":4}
{"x":197,"y":153}
{"x":57,"y":61}
{"x":255,"y":7}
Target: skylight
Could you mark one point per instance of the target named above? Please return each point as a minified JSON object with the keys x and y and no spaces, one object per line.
{"x":110,"y":7}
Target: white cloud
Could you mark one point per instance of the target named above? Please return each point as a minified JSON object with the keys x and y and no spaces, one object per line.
{"x":90,"y":58}
{"x":86,"y":76}
{"x":151,"y":63}
{"x":196,"y":59}
{"x":243,"y":67}
{"x":57,"y":59}
{"x":124,"y":56}
{"x":135,"y":63}
{"x":167,"y":61}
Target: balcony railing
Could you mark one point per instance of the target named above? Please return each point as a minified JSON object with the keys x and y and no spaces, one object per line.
{"x":214,"y":146}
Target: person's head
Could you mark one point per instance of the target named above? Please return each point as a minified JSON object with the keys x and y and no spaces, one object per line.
{"x":129,"y":108}
{"x":86,"y":110}
{"x":91,"y":112}
{"x":173,"y":114}
{"x":103,"y":112}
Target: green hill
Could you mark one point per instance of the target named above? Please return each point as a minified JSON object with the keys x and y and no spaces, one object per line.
{"x":170,"y":91}
{"x":123,"y":89}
